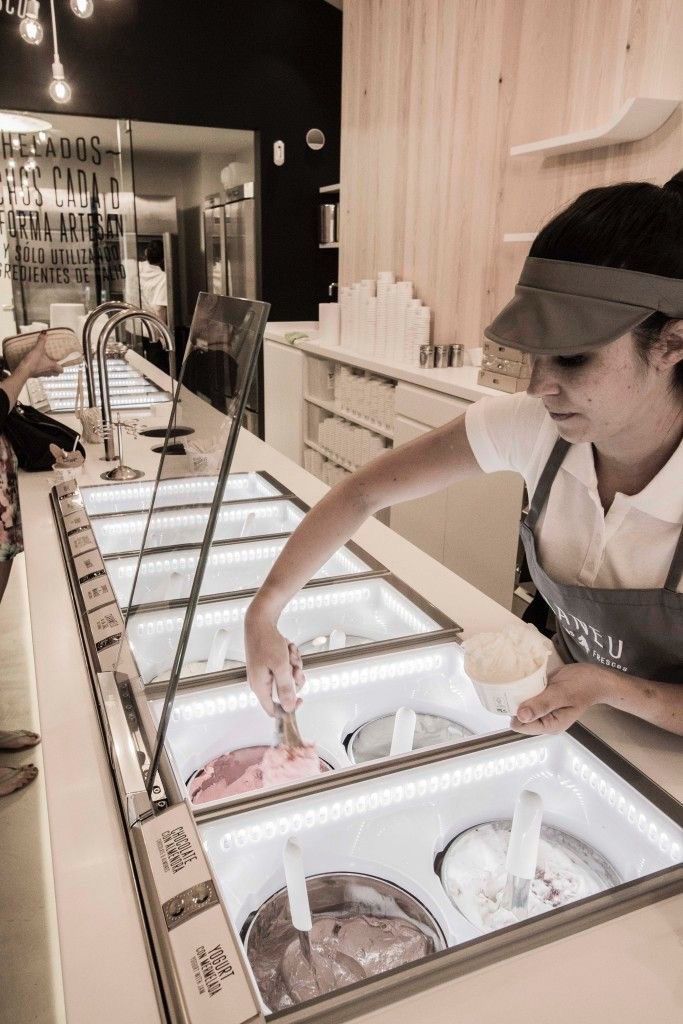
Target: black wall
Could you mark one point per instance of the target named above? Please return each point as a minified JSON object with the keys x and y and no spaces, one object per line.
{"x":271,"y":66}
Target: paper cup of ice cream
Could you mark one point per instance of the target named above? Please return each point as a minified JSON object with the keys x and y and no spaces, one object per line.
{"x":507,"y":668}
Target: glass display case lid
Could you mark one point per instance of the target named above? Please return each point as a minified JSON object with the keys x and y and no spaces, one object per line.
{"x":211,"y":397}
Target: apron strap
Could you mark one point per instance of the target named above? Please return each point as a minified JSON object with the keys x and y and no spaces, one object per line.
{"x":545,"y":482}
{"x":676,"y":567}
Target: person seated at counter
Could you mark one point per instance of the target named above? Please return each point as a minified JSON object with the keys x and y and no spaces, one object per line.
{"x":598,"y":438}
{"x":34,"y":364}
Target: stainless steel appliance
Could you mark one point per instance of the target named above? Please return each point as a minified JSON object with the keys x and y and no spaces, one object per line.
{"x":230,"y":243}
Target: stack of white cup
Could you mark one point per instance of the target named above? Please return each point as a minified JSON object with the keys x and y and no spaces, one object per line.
{"x":384,"y":320}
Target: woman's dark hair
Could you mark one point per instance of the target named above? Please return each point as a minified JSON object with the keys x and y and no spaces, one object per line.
{"x":635,"y":225}
{"x":154,"y":254}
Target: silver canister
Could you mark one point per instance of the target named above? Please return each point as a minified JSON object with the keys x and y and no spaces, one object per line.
{"x":441,"y":354}
{"x":457,"y":355}
{"x":328,"y":223}
{"x":426,"y":357}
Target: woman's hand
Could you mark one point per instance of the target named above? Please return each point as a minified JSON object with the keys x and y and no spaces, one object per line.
{"x":271,"y":659}
{"x":37,"y":363}
{"x":570,"y":691}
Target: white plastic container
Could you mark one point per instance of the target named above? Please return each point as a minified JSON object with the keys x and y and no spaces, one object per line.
{"x":508,"y":667}
{"x":505,"y":698}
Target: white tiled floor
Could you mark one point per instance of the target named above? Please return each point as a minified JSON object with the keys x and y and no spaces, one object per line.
{"x":30,"y":976}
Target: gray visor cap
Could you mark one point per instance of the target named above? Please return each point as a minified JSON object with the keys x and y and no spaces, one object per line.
{"x":561,"y":307}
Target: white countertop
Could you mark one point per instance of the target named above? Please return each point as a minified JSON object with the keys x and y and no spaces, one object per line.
{"x":459,"y":381}
{"x":625,"y":970}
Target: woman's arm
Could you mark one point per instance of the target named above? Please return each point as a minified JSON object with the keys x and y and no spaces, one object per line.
{"x":423,"y":466}
{"x":34,"y":364}
{"x":574,"y":688}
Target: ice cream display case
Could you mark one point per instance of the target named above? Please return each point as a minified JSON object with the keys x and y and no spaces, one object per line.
{"x":386,"y":867}
{"x":128,"y":388}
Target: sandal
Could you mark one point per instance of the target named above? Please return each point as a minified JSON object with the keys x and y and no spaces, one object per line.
{"x":12,"y":779}
{"x":18,"y":739}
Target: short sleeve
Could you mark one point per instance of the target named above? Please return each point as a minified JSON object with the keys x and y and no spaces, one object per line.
{"x":504,"y":432}
{"x":158,"y":292}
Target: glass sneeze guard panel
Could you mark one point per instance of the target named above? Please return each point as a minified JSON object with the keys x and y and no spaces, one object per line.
{"x":223,"y":346}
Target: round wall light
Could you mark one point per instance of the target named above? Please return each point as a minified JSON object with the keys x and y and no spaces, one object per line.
{"x":315,"y":139}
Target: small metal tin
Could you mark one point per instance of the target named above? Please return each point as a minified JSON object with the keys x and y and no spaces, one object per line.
{"x":457,"y":355}
{"x":441,"y":353}
{"x":426,"y":357}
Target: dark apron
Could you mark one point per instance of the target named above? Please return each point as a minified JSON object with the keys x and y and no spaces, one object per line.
{"x":639,"y":632}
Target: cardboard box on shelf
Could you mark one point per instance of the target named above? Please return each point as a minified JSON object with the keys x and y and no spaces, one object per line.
{"x":502,"y":381}
{"x":509,"y":367}
{"x":504,"y":352}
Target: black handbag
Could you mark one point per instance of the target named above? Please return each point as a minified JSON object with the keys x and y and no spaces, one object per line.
{"x":31,"y":432}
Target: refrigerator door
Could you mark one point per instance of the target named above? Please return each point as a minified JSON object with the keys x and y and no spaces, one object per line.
{"x":214,"y":247}
{"x":240,"y":235}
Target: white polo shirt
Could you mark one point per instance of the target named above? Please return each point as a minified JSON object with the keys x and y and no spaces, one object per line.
{"x":630,"y":547}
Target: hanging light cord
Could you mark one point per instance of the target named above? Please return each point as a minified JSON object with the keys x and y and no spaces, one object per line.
{"x":54,"y":32}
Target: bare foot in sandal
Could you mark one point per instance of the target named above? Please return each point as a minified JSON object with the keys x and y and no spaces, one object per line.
{"x":12,"y":779}
{"x":18,"y":739}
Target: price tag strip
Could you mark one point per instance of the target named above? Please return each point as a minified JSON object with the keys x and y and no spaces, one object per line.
{"x":209,"y":969}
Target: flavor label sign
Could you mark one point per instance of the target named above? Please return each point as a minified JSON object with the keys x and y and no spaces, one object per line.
{"x":82,"y":541}
{"x":174,"y":852}
{"x":65,"y":488}
{"x":96,"y":592}
{"x":89,"y":565}
{"x":74,"y":503}
{"x":105,"y":625}
{"x":213,"y":982}
{"x":76,"y":521}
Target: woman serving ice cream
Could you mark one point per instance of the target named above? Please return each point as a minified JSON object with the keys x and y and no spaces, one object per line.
{"x":598,"y":438}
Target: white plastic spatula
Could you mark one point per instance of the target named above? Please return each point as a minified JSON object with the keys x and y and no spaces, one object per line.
{"x":522,"y":854}
{"x":404,"y":732}
{"x":300,"y":913}
{"x":173,"y":589}
{"x":219,"y":649}
{"x":337,"y":640}
{"x":247,"y":524}
{"x":297,"y":894}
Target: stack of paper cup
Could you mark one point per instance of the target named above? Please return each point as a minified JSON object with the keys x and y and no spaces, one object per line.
{"x":370,"y":327}
{"x":328,"y":323}
{"x":345,"y":316}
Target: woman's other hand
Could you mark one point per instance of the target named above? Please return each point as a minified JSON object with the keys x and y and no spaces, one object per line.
{"x":571,"y":690}
{"x":37,"y":363}
{"x":271,"y":659}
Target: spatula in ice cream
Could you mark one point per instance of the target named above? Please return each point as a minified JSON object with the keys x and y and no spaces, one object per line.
{"x":522,"y":852}
{"x":322,"y":970}
{"x":404,"y":732}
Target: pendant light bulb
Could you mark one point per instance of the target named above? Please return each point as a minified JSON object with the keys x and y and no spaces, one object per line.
{"x":60,"y":90}
{"x":82,"y":8}
{"x":30,"y":29}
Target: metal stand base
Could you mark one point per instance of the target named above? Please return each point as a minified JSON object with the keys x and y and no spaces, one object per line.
{"x":122,"y":473}
{"x":161,"y":432}
{"x":173,"y":449}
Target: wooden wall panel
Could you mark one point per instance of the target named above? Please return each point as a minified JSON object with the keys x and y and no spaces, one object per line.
{"x":434,"y":93}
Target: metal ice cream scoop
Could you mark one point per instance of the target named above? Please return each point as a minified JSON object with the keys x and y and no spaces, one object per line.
{"x":288,"y":734}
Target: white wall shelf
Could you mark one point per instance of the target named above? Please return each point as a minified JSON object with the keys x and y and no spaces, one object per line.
{"x":329,"y":188}
{"x":328,"y":245}
{"x":639,"y":117}
{"x":332,"y":458}
{"x":324,"y":403}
